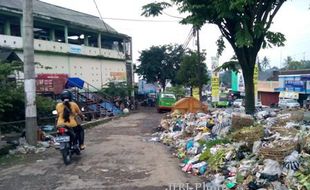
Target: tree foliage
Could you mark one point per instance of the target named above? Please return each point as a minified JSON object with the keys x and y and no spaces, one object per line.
{"x":12,"y":98}
{"x":291,"y":64}
{"x":193,"y":72}
{"x":264,"y":64}
{"x":160,"y":63}
{"x":244,"y":24}
{"x":115,"y":89}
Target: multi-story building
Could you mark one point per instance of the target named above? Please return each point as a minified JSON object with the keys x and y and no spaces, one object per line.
{"x":294,"y":84}
{"x":68,"y":42}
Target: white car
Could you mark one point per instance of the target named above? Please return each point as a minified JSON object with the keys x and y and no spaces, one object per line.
{"x":288,"y":103}
{"x":238,"y":103}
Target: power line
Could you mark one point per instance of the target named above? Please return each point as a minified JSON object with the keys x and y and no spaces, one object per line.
{"x":188,"y":38}
{"x":140,"y":20}
{"x":101,"y":16}
{"x":172,"y":15}
{"x":119,"y":19}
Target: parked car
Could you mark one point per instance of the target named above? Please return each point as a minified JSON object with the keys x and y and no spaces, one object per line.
{"x":288,"y":103}
{"x":165,"y":102}
{"x":238,"y":103}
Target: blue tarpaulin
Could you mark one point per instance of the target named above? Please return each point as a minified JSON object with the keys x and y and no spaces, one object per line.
{"x":74,"y":82}
{"x":110,"y":107}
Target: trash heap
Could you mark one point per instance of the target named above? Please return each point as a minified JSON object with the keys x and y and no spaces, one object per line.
{"x":45,"y":140}
{"x":235,"y":150}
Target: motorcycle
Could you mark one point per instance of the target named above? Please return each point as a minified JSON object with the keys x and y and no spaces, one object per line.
{"x":66,"y":146}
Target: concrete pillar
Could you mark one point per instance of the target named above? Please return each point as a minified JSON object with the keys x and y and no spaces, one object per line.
{"x":86,"y":40}
{"x":66,"y":34}
{"x":21,"y":26}
{"x":7,"y":27}
{"x":99,"y":40}
{"x":52,"y":35}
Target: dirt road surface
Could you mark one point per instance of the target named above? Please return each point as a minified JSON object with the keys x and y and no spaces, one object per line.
{"x":117,"y":157}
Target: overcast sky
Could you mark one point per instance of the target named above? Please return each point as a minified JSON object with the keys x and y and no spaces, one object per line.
{"x":293,"y":20}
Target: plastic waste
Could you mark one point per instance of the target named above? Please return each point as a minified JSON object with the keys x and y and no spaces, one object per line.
{"x":189,"y":144}
{"x":187,"y":167}
{"x":256,"y":146}
{"x":218,"y":179}
{"x":202,"y":169}
{"x":231,"y":185}
{"x":292,"y":161}
{"x":271,"y":168}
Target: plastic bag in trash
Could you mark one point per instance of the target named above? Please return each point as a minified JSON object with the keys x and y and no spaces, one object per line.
{"x":189,"y":144}
{"x":256,"y":146}
{"x":292,"y":161}
{"x":272,"y":167}
{"x":218,"y":179}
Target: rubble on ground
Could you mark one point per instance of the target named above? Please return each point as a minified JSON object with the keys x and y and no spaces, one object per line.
{"x":268,"y":151}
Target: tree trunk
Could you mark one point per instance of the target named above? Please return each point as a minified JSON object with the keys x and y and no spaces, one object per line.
{"x":247,"y":59}
{"x":163,"y":85}
{"x":249,"y":91}
{"x":200,"y":93}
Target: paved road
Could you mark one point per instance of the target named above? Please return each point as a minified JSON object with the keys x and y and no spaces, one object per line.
{"x":117,"y":157}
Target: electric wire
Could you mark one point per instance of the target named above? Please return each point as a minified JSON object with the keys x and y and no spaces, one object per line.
{"x":188,"y":38}
{"x":105,"y":25}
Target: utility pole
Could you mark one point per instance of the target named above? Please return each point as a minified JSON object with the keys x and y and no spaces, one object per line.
{"x":199,"y":60}
{"x":29,"y":74}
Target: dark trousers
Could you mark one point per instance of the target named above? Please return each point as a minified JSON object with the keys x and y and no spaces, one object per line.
{"x":76,"y":134}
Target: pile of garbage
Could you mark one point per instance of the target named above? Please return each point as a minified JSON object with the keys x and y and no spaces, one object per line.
{"x":44,"y":137}
{"x":233,"y":150}
{"x":24,"y":148}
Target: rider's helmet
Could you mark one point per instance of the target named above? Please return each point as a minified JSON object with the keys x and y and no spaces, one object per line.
{"x":66,"y":95}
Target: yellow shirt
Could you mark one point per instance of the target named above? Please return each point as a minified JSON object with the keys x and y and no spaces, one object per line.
{"x":75,"y":110}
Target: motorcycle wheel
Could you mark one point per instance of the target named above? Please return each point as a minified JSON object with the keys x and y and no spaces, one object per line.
{"x":66,"y":155}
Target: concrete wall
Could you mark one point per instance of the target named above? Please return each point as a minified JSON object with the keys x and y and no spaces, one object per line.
{"x":97,"y":72}
{"x":14,"y":42}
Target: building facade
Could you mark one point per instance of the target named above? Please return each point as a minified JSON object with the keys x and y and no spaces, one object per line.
{"x":294,"y":84}
{"x":68,"y":42}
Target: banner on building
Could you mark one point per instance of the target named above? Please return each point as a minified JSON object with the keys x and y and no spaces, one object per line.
{"x":234,"y":81}
{"x":289,"y":95}
{"x":241,"y":86}
{"x":118,"y":76}
{"x":76,"y":49}
{"x":196,"y":93}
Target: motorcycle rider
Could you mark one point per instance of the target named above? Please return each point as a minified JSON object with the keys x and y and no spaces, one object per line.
{"x":67,"y":110}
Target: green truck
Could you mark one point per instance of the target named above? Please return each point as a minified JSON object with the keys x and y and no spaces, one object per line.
{"x":165,"y":102}
{"x":223,"y":101}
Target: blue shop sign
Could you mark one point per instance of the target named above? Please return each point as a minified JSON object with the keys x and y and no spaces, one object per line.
{"x":294,"y":84}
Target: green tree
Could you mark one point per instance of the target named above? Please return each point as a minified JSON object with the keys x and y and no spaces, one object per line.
{"x":291,"y":64}
{"x":264,"y":64}
{"x":114,"y":89}
{"x":193,"y":72}
{"x":244,"y":24}
{"x":178,"y":90}
{"x":225,"y":78}
{"x":160,"y":63}
{"x":12,"y":99}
